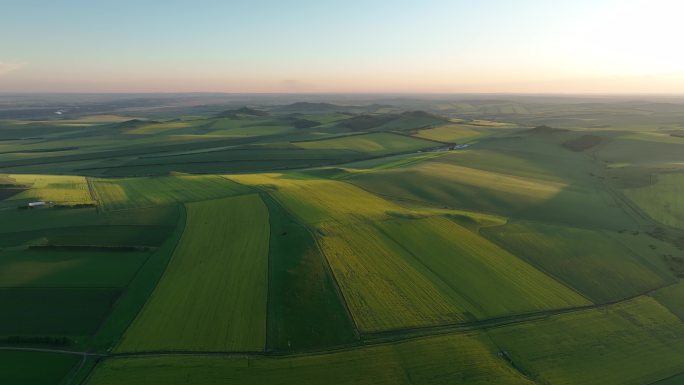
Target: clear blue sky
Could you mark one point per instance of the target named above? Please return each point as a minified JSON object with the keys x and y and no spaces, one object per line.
{"x":342,"y":46}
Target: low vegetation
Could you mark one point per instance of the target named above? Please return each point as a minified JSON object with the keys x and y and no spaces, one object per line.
{"x":212,"y":296}
{"x":223,"y":241}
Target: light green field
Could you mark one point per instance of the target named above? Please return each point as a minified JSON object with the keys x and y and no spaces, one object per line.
{"x":458,"y":359}
{"x":481,"y":278}
{"x":117,"y":194}
{"x":638,"y":342}
{"x":540,"y":186}
{"x":382,"y":289}
{"x":393,"y":161}
{"x":317,"y":200}
{"x":53,"y":188}
{"x":212,"y":296}
{"x":595,"y":262}
{"x":452,"y":183}
{"x":455,"y":133}
{"x":315,"y":243}
{"x":644,"y":150}
{"x":375,"y":143}
{"x":663,"y":201}
{"x":672,"y":297}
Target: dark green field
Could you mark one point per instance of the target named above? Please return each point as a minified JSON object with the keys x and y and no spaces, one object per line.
{"x":436,"y":240}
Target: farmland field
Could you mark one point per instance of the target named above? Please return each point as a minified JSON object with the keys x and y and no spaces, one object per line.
{"x":213,"y":294}
{"x":86,"y":268}
{"x":147,"y":192}
{"x":484,"y":279}
{"x":672,"y":297}
{"x":376,"y":144}
{"x":593,"y":262}
{"x":315,"y":200}
{"x":62,"y":189}
{"x":17,"y":367}
{"x":54,"y":311}
{"x":452,"y":133}
{"x":382,"y":289}
{"x":636,"y":342}
{"x":305,"y":310}
{"x":664,"y":200}
{"x":208,"y":239}
{"x":437,"y":360}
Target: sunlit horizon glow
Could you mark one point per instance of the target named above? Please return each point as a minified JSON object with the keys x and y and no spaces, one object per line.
{"x":435,"y":46}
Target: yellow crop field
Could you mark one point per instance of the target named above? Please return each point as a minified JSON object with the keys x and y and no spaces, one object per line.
{"x":53,"y":188}
{"x":317,"y":200}
{"x":382,"y":289}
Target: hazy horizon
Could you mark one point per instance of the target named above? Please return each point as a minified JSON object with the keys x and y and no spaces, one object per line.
{"x":603,"y":47}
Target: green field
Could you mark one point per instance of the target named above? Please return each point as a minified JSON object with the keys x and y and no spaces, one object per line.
{"x":594,"y":262}
{"x":483,"y":279}
{"x":64,"y":268}
{"x":98,"y":235}
{"x":212,"y":296}
{"x":452,"y":133}
{"x":374,"y":144}
{"x":518,"y":178}
{"x":233,"y":239}
{"x":305,"y":310}
{"x":638,"y":342}
{"x":54,"y":311}
{"x":140,"y":287}
{"x":18,"y":367}
{"x":127,"y":193}
{"x":382,"y":288}
{"x":437,"y":360}
{"x":315,"y":200}
{"x":663,"y":200}
{"x":672,"y":297}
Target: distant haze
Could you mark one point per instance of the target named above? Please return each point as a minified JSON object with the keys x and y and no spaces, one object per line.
{"x":440,"y":46}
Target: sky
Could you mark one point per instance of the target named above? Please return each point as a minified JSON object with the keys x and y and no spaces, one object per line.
{"x":343,"y":46}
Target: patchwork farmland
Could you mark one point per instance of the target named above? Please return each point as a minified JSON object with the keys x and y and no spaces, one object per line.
{"x":320,"y":243}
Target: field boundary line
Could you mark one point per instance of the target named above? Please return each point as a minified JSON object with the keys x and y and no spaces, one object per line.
{"x":393,"y":336}
{"x":56,"y":351}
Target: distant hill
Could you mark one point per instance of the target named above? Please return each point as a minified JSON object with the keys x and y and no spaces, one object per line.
{"x":405,"y":121}
{"x":235,"y":114}
{"x":297,"y":122}
{"x":314,"y":108}
{"x":544,"y":129}
{"x":133,"y":123}
{"x":329,"y":108}
{"x":367,"y":122}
